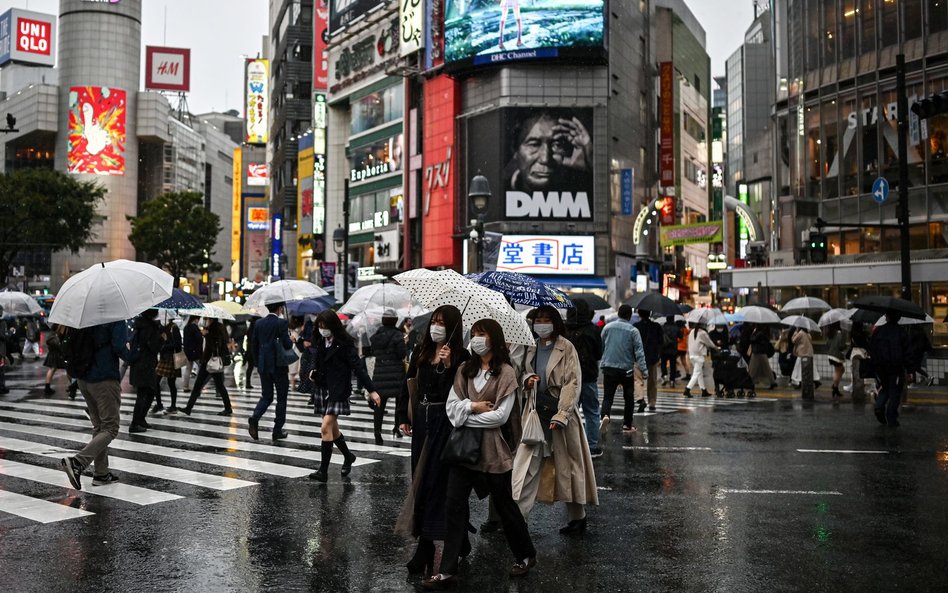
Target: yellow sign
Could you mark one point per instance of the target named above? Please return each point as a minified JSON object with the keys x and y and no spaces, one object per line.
{"x":235,"y":219}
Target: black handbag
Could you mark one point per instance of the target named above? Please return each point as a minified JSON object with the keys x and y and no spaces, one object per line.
{"x":285,"y":356}
{"x":463,"y":446}
{"x":307,"y":364}
{"x":546,"y":406}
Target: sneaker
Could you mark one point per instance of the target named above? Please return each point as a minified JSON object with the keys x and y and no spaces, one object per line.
{"x":73,"y":470}
{"x":136,"y":428}
{"x":603,"y":424}
{"x":157,"y":408}
{"x":171,"y":410}
{"x":652,"y":408}
{"x":594,"y":453}
{"x":642,"y":404}
{"x":628,"y":428}
{"x":105,"y":480}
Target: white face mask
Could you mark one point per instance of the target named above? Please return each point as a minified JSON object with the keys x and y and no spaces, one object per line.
{"x":479,"y":345}
{"x":437,"y":333}
{"x":326,"y":333}
{"x":544,"y":330}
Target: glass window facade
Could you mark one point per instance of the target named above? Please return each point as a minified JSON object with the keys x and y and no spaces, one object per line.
{"x":378,"y":108}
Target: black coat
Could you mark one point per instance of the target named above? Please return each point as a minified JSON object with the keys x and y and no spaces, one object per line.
{"x":146,"y":344}
{"x":388,"y":345}
{"x":652,"y":338}
{"x":193,"y":341}
{"x":334,"y":367}
{"x":215,"y":344}
{"x":433,"y":385}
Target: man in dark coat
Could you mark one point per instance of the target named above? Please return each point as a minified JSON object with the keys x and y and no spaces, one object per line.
{"x":388,"y":346}
{"x":270,"y":333}
{"x":587,"y":340}
{"x":652,"y":339}
{"x":670,"y":335}
{"x":146,"y":344}
{"x":892,"y":357}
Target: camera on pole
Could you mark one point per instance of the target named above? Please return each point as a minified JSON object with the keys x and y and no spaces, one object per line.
{"x":931,"y":106}
{"x":818,"y":248}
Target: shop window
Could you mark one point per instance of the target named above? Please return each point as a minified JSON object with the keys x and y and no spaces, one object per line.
{"x":813,"y":153}
{"x":890,"y":23}
{"x":813,"y":34}
{"x":848,"y":151}
{"x":847,"y":29}
{"x":911,"y":18}
{"x":867,"y":120}
{"x":829,"y":33}
{"x":937,"y":16}
{"x":867,"y":17}
{"x":871,"y":240}
{"x":830,"y":152}
{"x":377,"y":109}
{"x":938,"y":149}
{"x":850,"y":242}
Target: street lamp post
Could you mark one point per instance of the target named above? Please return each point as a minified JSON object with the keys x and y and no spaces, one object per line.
{"x":478,"y":197}
{"x":339,"y":239}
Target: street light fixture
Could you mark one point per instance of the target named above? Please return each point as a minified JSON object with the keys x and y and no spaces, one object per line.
{"x":478,"y":196}
{"x":339,"y":239}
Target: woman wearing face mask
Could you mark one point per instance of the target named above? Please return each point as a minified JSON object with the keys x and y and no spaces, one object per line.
{"x":335,"y":361}
{"x":551,"y":381}
{"x":434,"y":364}
{"x":484,"y":398}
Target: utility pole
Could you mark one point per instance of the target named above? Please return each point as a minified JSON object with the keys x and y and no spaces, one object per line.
{"x":902,"y":210}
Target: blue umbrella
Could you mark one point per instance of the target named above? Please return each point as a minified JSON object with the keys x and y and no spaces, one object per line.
{"x":179,"y":300}
{"x":522,"y":289}
{"x":310,"y":306}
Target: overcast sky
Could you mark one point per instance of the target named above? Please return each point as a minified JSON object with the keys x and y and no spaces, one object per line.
{"x":220,"y":32}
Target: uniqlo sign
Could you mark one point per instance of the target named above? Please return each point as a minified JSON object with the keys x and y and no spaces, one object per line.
{"x":27,"y":37}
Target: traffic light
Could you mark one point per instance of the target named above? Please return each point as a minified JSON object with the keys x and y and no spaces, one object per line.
{"x":931,"y":106}
{"x":817,"y":248}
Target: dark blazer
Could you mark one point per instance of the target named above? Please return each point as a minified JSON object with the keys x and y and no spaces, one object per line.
{"x":652,"y":338}
{"x":215,"y":343}
{"x":193,"y":341}
{"x":147,"y":343}
{"x":266,"y":333}
{"x":388,"y":346}
{"x":334,"y":367}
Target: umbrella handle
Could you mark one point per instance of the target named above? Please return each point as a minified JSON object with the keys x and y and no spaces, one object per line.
{"x":455,"y":328}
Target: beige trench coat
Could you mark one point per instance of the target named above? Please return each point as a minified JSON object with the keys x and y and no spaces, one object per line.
{"x":575,"y":478}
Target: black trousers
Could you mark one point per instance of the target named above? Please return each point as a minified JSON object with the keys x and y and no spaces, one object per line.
{"x":461,"y":481}
{"x":670,"y":366}
{"x":144,"y":395}
{"x":172,"y":389}
{"x":612,"y":379}
{"x":201,"y":380}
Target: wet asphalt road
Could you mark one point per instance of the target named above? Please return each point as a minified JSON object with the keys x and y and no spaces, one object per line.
{"x":714,"y":499}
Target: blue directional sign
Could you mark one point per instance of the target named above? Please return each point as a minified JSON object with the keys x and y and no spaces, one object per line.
{"x":880,"y":190}
{"x":626,"y":186}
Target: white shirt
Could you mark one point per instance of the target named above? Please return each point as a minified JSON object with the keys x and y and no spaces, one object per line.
{"x":459,"y":412}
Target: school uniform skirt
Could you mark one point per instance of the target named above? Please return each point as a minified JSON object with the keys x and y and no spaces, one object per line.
{"x":326,"y":405}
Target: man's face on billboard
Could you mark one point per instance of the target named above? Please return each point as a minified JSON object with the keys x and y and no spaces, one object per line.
{"x":541,"y":153}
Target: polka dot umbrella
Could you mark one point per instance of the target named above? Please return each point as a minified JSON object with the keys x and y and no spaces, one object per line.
{"x":446,"y":287}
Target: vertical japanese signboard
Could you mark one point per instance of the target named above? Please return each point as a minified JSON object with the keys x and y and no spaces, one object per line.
{"x":320,"y":38}
{"x":666,"y":166}
{"x":441,"y":97}
{"x":411,"y":22}
{"x":257,"y":101}
{"x":236,"y":210}
{"x":626,"y":187}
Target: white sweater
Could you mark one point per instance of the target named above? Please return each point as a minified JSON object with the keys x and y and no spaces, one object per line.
{"x":699,"y":344}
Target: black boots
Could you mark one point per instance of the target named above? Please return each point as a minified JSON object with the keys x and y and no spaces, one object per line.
{"x":348,"y":457}
{"x":377,"y":417}
{"x":325,"y":455}
{"x":423,"y":560}
{"x":687,"y":392}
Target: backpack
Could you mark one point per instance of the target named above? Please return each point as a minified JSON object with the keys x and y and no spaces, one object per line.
{"x":588,"y":363}
{"x":78,"y":351}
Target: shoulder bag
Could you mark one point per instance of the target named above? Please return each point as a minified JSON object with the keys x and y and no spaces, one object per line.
{"x":532,"y":428}
{"x":180,"y":360}
{"x":214,"y":364}
{"x":463,"y":446}
{"x":285,"y":356}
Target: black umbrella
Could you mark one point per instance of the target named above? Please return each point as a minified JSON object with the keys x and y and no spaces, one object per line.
{"x":654,"y":302}
{"x":885,"y":304}
{"x":594,"y":301}
{"x":685,"y":308}
{"x":865,"y":316}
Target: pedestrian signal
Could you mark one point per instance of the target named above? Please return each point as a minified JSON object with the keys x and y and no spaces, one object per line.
{"x":931,"y":106}
{"x":818,"y":248}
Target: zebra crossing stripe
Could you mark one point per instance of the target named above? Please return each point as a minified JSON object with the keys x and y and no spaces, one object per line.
{"x":182,"y":422}
{"x":56,"y":477}
{"x":132,"y":466}
{"x":37,"y":509}
{"x":227,"y":461}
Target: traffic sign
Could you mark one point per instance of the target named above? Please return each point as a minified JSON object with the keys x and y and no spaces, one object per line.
{"x":880,"y":190}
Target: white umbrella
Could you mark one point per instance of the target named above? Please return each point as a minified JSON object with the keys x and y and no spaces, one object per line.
{"x":706,"y":316}
{"x":19,"y":304}
{"x":208,"y":312}
{"x":833,"y":316}
{"x":755,"y":314}
{"x":377,"y":298}
{"x":801,"y":322}
{"x":908,"y":321}
{"x":806,"y":306}
{"x":108,"y":292}
{"x":281,"y":292}
{"x":664,"y":319}
{"x":447,"y":287}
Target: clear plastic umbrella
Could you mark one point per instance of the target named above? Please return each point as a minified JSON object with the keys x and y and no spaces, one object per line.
{"x":19,"y":304}
{"x":805,"y":306}
{"x":281,"y":292}
{"x":378,"y":298}
{"x":706,"y":316}
{"x":208,"y":312}
{"x":756,"y":314}
{"x":833,"y":316}
{"x":801,"y":322}
{"x":108,"y":292}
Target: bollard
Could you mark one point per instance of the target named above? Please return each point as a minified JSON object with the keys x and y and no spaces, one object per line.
{"x":859,"y":384}
{"x":806,"y":371}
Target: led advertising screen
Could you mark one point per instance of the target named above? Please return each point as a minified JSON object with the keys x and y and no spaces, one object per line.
{"x":496,"y":31}
{"x":96,"y":130}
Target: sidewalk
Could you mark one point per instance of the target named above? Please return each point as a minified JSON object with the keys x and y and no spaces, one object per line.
{"x":922,"y":395}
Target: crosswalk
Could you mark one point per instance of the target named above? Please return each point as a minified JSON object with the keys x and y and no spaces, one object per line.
{"x":183,"y":456}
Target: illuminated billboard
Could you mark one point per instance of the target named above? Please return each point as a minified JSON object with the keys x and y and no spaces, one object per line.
{"x":257,"y":174}
{"x":167,"y":69}
{"x":27,"y":37}
{"x":547,"y":254}
{"x":490,"y":32}
{"x":257,"y":101}
{"x":542,"y":159}
{"x":96,"y":130}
